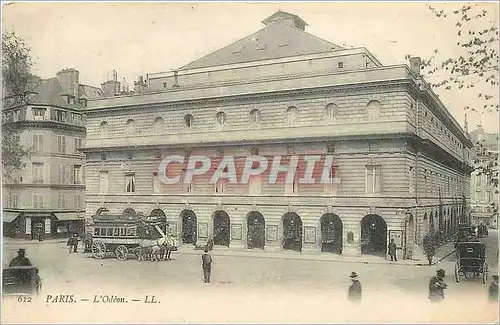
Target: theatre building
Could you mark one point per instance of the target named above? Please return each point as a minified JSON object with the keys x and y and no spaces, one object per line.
{"x":401,"y":161}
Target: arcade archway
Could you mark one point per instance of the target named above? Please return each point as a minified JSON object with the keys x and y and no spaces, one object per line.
{"x":292,"y":232}
{"x":129,"y":213}
{"x":188,"y":227}
{"x":373,"y":235}
{"x":256,"y":226}
{"x":159,"y":216}
{"x":221,"y":228}
{"x":331,"y":233}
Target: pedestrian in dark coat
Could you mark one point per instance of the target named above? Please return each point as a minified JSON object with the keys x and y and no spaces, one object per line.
{"x":393,"y":250}
{"x":354,"y":292}
{"x":20,"y":259}
{"x":206,"y":263}
{"x":437,"y":286}
{"x":493,"y":290}
{"x":429,"y":248}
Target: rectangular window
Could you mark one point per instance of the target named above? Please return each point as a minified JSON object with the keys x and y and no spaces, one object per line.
{"x":130,"y":232}
{"x":187,"y":187}
{"x":220,"y":186}
{"x":292,"y":187}
{"x":156,"y":183}
{"x":77,"y":174}
{"x":255,"y":184}
{"x":39,"y":114}
{"x":61,"y":201}
{"x":38,"y":142}
{"x":37,"y":173}
{"x":116,"y":231}
{"x":373,"y":175}
{"x":103,"y":182}
{"x":77,"y":201}
{"x":332,"y":186}
{"x":412,"y":180}
{"x":60,"y":116}
{"x":479,"y":182}
{"x":61,"y":144}
{"x":97,"y":231}
{"x":109,"y":232}
{"x":130,"y":183}
{"x":37,"y":201}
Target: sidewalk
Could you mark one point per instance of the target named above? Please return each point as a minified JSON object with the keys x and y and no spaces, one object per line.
{"x":16,"y":241}
{"x":309,"y":256}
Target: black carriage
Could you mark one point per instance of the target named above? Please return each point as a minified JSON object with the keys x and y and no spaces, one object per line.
{"x":471,"y":261}
{"x":121,"y":236}
{"x":19,"y":280}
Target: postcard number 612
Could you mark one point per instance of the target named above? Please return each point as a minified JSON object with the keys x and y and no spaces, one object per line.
{"x":24,"y":299}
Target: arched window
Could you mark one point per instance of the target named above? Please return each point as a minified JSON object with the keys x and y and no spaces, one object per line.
{"x":373,"y":108}
{"x":130,"y":127}
{"x":255,"y":116}
{"x":221,"y":118}
{"x":291,"y":115}
{"x":330,"y":111}
{"x":158,"y":125}
{"x":188,"y":120}
{"x":104,"y":129}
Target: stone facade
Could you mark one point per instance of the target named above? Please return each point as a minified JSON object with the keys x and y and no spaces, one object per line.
{"x":402,"y":159}
{"x":48,"y":194}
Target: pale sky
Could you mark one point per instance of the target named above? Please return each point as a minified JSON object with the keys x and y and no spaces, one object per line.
{"x":140,"y":38}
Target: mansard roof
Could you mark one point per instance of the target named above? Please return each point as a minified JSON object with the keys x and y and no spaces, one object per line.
{"x":283,"y":36}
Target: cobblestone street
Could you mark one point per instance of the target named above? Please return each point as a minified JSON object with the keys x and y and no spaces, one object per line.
{"x":294,"y":290}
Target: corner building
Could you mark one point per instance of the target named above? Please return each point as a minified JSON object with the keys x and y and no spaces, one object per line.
{"x":402,"y":159}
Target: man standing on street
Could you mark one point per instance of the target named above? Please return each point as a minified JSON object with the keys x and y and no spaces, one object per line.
{"x":206,"y":263}
{"x":392,"y":251}
{"x":493,"y":290}
{"x":437,"y":286}
{"x":354,"y":293}
{"x":429,"y":248}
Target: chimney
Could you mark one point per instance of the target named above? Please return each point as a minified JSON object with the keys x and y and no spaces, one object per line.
{"x":140,"y":86}
{"x":111,"y":88}
{"x":415,"y":63}
{"x":69,"y":81}
{"x":176,"y":79}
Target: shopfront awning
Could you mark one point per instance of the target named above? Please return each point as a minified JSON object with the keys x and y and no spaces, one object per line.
{"x":8,"y":216}
{"x":68,"y":216}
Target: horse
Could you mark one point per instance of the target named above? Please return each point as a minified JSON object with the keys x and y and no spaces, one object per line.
{"x":169,"y":245}
{"x":152,"y":250}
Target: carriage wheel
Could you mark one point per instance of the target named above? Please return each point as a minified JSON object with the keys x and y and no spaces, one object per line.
{"x":121,"y":253}
{"x":457,"y":276}
{"x":98,"y":249}
{"x":485,"y":272}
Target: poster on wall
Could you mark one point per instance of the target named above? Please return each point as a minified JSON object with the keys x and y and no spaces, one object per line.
{"x":202,"y":230}
{"x":272,"y":233}
{"x":310,"y":235}
{"x":397,"y":235}
{"x":28,"y":226}
{"x":47,"y":225}
{"x":172,"y":230}
{"x":236,"y":231}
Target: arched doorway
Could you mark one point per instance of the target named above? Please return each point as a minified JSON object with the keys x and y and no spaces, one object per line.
{"x":373,"y":235}
{"x":292,"y":232}
{"x":189,"y":227}
{"x":256,"y":226}
{"x":331,"y":233}
{"x":129,"y":213}
{"x":159,"y":216}
{"x":221,"y":228}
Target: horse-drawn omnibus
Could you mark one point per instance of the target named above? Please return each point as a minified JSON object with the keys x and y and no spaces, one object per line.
{"x":121,"y":236}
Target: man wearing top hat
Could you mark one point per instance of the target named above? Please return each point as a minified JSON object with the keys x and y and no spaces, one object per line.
{"x":20,"y":259}
{"x":354,"y":293}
